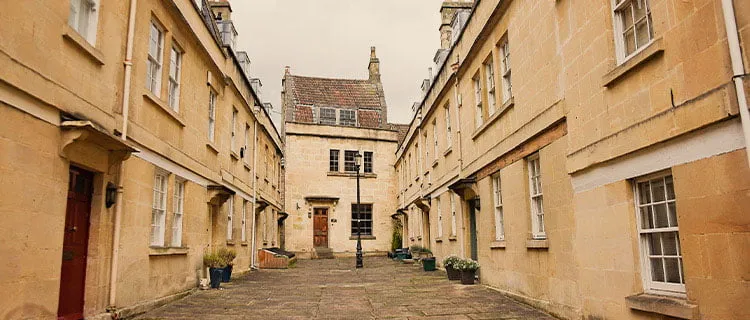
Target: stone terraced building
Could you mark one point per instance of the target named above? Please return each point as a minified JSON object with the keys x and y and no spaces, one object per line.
{"x":326,"y":123}
{"x":131,"y":143}
{"x":589,"y":154}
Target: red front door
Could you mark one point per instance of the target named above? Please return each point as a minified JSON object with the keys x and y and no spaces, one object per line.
{"x":320,"y":228}
{"x":75,"y":245}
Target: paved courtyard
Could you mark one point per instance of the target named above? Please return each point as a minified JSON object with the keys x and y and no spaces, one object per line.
{"x":333,"y":289}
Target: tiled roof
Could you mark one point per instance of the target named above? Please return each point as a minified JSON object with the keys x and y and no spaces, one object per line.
{"x":344,"y":93}
{"x":402,"y":129}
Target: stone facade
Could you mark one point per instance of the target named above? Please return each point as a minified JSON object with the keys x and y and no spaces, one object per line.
{"x":76,"y":110}
{"x":325,"y":119}
{"x":597,"y":124}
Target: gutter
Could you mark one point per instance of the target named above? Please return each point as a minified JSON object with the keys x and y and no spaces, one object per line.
{"x":738,"y":69}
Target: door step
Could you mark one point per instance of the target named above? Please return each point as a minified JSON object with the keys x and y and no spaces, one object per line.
{"x":323,"y":253}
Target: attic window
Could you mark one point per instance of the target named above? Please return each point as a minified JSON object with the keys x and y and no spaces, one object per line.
{"x":328,"y":116}
{"x":348,"y":118}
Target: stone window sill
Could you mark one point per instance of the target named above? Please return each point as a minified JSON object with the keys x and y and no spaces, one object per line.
{"x":670,"y":306}
{"x":212,"y":147}
{"x":244,"y":243}
{"x":163,"y":106}
{"x":452,"y":238}
{"x":76,"y":39}
{"x":435,"y":163}
{"x":363,"y":237}
{"x":447,"y":152}
{"x":651,"y":51}
{"x":234,"y":155}
{"x":439,"y":239}
{"x":247,"y":166}
{"x":351,"y":174}
{"x":411,"y":238}
{"x":230,"y":242}
{"x":498,"y":244}
{"x":498,"y":113}
{"x":419,"y":238}
{"x":537,"y":244}
{"x":167,"y":251}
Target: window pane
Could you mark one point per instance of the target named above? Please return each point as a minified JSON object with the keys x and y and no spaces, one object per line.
{"x":642,"y":33}
{"x":639,"y":9}
{"x":669,"y":240}
{"x":646,"y":222}
{"x":670,"y":188}
{"x":657,"y":189}
{"x":654,"y":244}
{"x":629,"y":42}
{"x":672,"y":269}
{"x":657,"y":270}
{"x":660,"y":213}
{"x":645,"y":195}
{"x":672,"y":214}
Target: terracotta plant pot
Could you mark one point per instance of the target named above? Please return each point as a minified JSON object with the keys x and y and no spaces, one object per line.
{"x":467,"y":277}
{"x":453,"y":274}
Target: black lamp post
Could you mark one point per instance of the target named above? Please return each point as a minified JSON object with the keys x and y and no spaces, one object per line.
{"x":357,"y":164}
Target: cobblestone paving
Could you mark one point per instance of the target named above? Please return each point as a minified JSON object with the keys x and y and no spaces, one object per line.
{"x":333,"y":289}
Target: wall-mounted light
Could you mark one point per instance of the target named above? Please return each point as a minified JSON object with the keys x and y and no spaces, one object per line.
{"x":110,"y":195}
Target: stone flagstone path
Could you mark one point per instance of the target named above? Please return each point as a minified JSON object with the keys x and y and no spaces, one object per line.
{"x":333,"y":289}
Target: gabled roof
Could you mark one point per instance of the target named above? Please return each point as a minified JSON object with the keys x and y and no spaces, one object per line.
{"x":343,"y":93}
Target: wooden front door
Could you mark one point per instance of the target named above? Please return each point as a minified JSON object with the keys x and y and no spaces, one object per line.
{"x":320,"y":228}
{"x":75,"y":245}
{"x":473,"y":228}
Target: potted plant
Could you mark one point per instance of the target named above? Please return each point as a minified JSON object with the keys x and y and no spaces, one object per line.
{"x":420,"y":251}
{"x":450,"y":262}
{"x":468,"y":270}
{"x":227,"y":256}
{"x":215,"y":265}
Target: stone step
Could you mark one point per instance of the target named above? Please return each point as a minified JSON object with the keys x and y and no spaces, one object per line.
{"x":323,"y":253}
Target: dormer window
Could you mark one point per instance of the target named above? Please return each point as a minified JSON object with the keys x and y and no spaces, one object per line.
{"x":328,"y":116}
{"x":348,"y":118}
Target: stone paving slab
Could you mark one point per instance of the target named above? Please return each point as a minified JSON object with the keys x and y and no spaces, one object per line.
{"x":334,"y":289}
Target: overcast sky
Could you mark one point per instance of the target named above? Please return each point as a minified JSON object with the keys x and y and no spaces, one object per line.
{"x":332,"y":38}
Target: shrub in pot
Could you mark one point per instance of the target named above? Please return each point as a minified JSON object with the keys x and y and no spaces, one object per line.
{"x":468,"y":270}
{"x":227,"y":256}
{"x":449,"y":263}
{"x":420,"y":251}
{"x":215,"y":265}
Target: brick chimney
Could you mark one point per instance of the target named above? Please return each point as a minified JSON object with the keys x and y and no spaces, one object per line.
{"x":374,"y":66}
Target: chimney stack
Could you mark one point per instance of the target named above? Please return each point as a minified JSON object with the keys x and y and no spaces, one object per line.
{"x":374,"y":66}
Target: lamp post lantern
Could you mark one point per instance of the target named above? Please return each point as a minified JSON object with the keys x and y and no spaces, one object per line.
{"x":358,"y":164}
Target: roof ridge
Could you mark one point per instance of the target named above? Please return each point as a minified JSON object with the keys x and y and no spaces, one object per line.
{"x":325,"y":78}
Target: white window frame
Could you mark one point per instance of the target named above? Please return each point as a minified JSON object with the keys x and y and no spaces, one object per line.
{"x":233,"y":137}
{"x":506,"y":69}
{"x":364,"y":161}
{"x":327,"y":120}
{"x":175,"y":70}
{"x":449,"y":134}
{"x":498,"y":202}
{"x":478,"y":116}
{"x":426,"y":150}
{"x":489,"y":72}
{"x":453,"y":214}
{"x":349,"y":122}
{"x":159,"y":208}
{"x":538,"y":230}
{"x":83,"y":18}
{"x":154,"y":59}
{"x":178,"y":210}
{"x":230,"y":217}
{"x":211,"y":114}
{"x":621,"y":29}
{"x":334,"y":160}
{"x":651,"y":286}
{"x":439,"y":217}
{"x":243,"y":233}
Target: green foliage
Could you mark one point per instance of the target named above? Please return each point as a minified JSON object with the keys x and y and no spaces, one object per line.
{"x":451,"y":260}
{"x":396,"y":238}
{"x":415,"y":249}
{"x":227,"y":255}
{"x":213,"y":260}
{"x":466,"y":265}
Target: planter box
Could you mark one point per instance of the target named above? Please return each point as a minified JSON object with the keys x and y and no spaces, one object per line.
{"x":453,"y":274}
{"x":467,"y":277}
